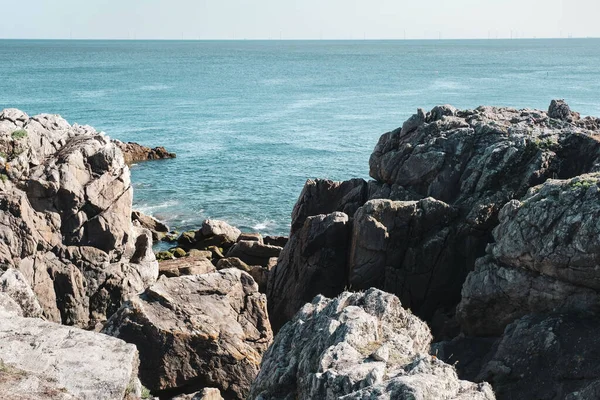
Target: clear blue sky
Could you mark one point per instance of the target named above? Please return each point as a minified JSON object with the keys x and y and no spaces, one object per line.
{"x":298,"y":19}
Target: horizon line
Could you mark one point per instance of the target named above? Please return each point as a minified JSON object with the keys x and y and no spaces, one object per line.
{"x":302,"y":39}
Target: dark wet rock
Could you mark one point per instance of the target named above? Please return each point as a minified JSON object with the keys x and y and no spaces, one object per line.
{"x":325,"y":197}
{"x":279,"y":241}
{"x":313,"y":262}
{"x":197,"y":331}
{"x":357,"y":346}
{"x":545,"y":357}
{"x":256,"y":237}
{"x":134,"y":152}
{"x":212,"y":233}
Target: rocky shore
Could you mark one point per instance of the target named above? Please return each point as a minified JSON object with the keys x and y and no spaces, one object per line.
{"x":466,"y":269}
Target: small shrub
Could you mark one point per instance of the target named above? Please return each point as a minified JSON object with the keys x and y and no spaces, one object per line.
{"x":19,"y":134}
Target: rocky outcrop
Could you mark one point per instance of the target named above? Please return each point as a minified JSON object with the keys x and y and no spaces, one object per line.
{"x":254,"y":252}
{"x":197,"y":331}
{"x":544,"y":258}
{"x":192,"y":265}
{"x":313,"y":262}
{"x":65,"y":213}
{"x":206,"y":394}
{"x":470,"y":163}
{"x":134,"y":152}
{"x":15,"y":286}
{"x":357,"y":346}
{"x":42,"y":360}
{"x":212,"y":233}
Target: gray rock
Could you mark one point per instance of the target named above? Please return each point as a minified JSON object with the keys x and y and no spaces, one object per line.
{"x":253,"y":252}
{"x":313,"y":262}
{"x":205,"y":394}
{"x":325,"y":197}
{"x":197,"y":331}
{"x":192,"y":265}
{"x":43,"y":360}
{"x":15,"y":285}
{"x":559,"y":109}
{"x":332,"y":349}
{"x":227,"y":233}
{"x":159,"y":230}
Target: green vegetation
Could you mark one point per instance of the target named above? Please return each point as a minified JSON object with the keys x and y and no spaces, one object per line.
{"x":178,"y":252}
{"x":146,"y":393}
{"x":582,"y":184}
{"x":19,"y":134}
{"x":3,"y":177}
{"x":164,"y":255}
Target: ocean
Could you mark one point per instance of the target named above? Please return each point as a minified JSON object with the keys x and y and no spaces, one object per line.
{"x":250,"y":121}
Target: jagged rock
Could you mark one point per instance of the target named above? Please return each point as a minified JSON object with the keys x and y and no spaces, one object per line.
{"x":15,"y":285}
{"x":65,"y":218}
{"x":158,"y":229}
{"x":406,"y":248}
{"x":134,"y":152}
{"x":313,"y":262}
{"x":494,"y":295}
{"x":253,"y":252}
{"x":9,"y":307}
{"x":560,"y":110}
{"x":42,"y":360}
{"x":192,"y":265}
{"x":335,"y":349}
{"x":233,"y":262}
{"x":475,"y":161}
{"x":545,"y":357}
{"x":197,"y":331}
{"x":590,"y":392}
{"x":325,"y":197}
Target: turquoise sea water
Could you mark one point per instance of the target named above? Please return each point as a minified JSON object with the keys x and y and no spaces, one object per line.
{"x":251,"y":121}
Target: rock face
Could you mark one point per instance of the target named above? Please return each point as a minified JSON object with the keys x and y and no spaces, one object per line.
{"x":546,"y":357}
{"x":42,"y":360}
{"x":544,"y":259}
{"x":65,"y":212}
{"x":313,"y":262}
{"x":134,"y":152}
{"x":357,"y":346}
{"x":469,"y":163}
{"x":197,"y":331}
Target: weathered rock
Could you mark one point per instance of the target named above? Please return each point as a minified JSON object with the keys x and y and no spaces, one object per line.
{"x":42,"y":360}
{"x":233,"y":262}
{"x":257,"y":237}
{"x":357,"y":346}
{"x":406,"y":248}
{"x":197,"y":331}
{"x":158,"y":229}
{"x":65,"y":218}
{"x":15,"y":285}
{"x":325,"y":197}
{"x":494,"y":295}
{"x":9,"y":307}
{"x":313,"y":262}
{"x":545,"y":357}
{"x":560,"y":110}
{"x":192,"y":265}
{"x":253,"y":252}
{"x":134,"y":152}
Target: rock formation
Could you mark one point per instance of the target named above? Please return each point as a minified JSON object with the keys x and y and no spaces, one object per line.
{"x":443,"y":178}
{"x":65,"y":208}
{"x":134,"y":152}
{"x":358,"y":346}
{"x":197,"y":331}
{"x":43,"y":360}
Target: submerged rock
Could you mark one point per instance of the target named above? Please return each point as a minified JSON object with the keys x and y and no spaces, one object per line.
{"x":197,"y":331}
{"x":357,"y":346}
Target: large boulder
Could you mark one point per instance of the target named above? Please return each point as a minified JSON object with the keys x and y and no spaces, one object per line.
{"x":134,"y":152}
{"x":313,"y":262}
{"x":212,"y":233}
{"x":254,"y":252}
{"x":159,"y":230}
{"x":65,"y":213}
{"x":197,"y":331}
{"x":357,"y":346}
{"x":43,"y":360}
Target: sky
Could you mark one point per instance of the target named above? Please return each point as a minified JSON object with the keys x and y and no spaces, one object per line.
{"x":298,"y":19}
